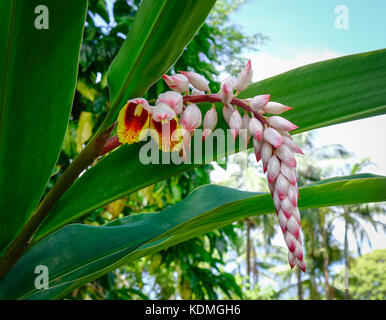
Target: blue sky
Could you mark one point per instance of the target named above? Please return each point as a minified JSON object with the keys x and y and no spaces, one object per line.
{"x":304,"y":24}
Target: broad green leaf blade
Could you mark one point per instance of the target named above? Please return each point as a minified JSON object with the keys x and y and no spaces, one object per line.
{"x":38,"y":69}
{"x":313,"y":85}
{"x":160,"y":32}
{"x":78,"y":253}
{"x":330,"y":92}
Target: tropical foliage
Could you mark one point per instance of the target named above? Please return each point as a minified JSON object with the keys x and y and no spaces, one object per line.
{"x":87,"y":217}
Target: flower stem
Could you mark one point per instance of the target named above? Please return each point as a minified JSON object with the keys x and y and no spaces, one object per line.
{"x":22,"y":242}
{"x":113,"y":142}
{"x":216,"y":98}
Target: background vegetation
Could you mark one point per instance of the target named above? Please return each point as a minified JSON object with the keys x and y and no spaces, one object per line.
{"x":240,"y":260}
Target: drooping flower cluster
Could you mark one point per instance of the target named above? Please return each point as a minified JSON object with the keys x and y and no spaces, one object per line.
{"x":176,"y":115}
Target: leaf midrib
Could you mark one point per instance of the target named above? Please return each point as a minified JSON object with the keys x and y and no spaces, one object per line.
{"x":6,"y":68}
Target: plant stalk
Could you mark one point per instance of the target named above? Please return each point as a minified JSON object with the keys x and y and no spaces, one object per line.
{"x":21,"y":243}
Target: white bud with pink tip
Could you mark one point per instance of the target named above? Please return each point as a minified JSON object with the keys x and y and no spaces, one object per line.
{"x":266,"y":153}
{"x":197,"y":80}
{"x":172,"y":99}
{"x":258,"y":102}
{"x":280,"y":123}
{"x":163,"y":112}
{"x":177,"y":82}
{"x":257,"y":149}
{"x":191,"y":118}
{"x":273,"y":137}
{"x":226,"y":93}
{"x":289,"y":173}
{"x":292,"y":145}
{"x":244,"y":77}
{"x":275,"y":108}
{"x":255,"y":128}
{"x":210,"y":122}
{"x":286,"y":155}
{"x":273,"y":168}
{"x":244,"y":134}
{"x":235,"y":123}
{"x":227,"y":111}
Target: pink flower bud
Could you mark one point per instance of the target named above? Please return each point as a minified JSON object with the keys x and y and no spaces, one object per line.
{"x":177,"y":82}
{"x":289,"y":173}
{"x":191,"y":118}
{"x":245,"y":136}
{"x":162,"y":112}
{"x":257,"y":149}
{"x":282,"y":221}
{"x":172,"y":99}
{"x":280,"y":123}
{"x":286,"y":155}
{"x":205,"y":133}
{"x":301,"y":265}
{"x":266,"y":153}
{"x":227,"y":112}
{"x":244,"y":77}
{"x":231,"y":82}
{"x":210,"y":119}
{"x":275,"y":108}
{"x":226,"y":93}
{"x":281,"y":186}
{"x":186,"y":138}
{"x":291,"y":259}
{"x":293,"y":227}
{"x":273,"y":168}
{"x":235,"y":123}
{"x":197,"y":80}
{"x":298,"y":253}
{"x":292,"y":145}
{"x":258,"y":102}
{"x":296,"y":214}
{"x":210,"y":122}
{"x":290,"y":241}
{"x":292,"y":195}
{"x":273,"y":137}
{"x":276,"y":201}
{"x":286,"y":206}
{"x":255,"y":128}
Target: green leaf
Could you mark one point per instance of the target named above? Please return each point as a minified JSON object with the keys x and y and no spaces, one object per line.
{"x":330,"y":92}
{"x":322,"y":93}
{"x":159,"y":34}
{"x":38,"y":69}
{"x":79,"y":253}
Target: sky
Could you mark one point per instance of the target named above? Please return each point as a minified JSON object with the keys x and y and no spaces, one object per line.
{"x":303,"y":32}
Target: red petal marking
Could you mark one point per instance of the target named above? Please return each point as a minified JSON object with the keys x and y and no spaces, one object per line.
{"x":130,"y":123}
{"x":166,"y":141}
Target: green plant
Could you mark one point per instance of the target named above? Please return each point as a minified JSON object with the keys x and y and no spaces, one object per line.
{"x":36,"y":97}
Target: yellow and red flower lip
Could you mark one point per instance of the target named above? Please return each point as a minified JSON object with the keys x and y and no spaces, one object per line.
{"x":133,"y":119}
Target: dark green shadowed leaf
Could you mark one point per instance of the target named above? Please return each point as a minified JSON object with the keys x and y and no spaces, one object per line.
{"x":78,"y":253}
{"x":322,"y":93}
{"x":38,"y":69}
